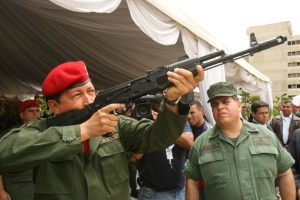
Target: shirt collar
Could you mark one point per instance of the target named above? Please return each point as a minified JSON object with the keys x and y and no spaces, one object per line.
{"x":247,"y":128}
{"x":260,"y":123}
{"x":290,"y":117}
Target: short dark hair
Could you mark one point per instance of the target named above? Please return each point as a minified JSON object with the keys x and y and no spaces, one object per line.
{"x":258,"y":104}
{"x":197,"y":103}
{"x":287,"y":101}
{"x":54,"y":97}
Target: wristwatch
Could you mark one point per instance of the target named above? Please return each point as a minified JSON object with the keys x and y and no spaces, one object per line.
{"x":188,"y":98}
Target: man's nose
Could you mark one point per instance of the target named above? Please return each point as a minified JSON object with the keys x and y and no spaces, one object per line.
{"x":88,"y":99}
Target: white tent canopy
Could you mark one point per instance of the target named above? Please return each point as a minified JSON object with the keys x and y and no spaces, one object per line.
{"x":38,"y":34}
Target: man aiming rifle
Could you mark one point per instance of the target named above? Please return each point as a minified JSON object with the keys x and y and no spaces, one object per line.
{"x":81,"y":162}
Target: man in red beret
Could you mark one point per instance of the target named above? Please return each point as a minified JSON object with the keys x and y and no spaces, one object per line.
{"x":29,"y":111}
{"x":82,"y":162}
{"x":19,"y":186}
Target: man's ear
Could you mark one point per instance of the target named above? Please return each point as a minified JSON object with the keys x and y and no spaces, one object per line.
{"x":202,"y":110}
{"x":239,"y":105}
{"x":21,"y":115}
{"x":54,"y":106}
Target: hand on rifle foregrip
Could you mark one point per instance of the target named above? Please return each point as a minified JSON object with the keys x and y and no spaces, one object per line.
{"x":101,"y":122}
{"x":183,"y":82}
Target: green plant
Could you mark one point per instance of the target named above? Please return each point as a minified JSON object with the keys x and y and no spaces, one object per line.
{"x":45,"y":111}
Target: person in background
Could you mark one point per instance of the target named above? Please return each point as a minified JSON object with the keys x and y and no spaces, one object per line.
{"x":294,"y":149}
{"x":196,"y":119}
{"x":89,"y":160}
{"x":285,"y":124}
{"x":260,"y":114}
{"x":160,"y":172}
{"x":296,"y":110}
{"x":19,"y":186}
{"x":237,"y":159}
{"x":244,"y":112}
{"x":199,"y":125}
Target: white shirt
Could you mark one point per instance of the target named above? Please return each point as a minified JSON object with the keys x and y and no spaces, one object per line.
{"x":285,"y":128}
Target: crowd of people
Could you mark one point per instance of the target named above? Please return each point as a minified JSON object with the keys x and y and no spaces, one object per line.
{"x":174,"y":154}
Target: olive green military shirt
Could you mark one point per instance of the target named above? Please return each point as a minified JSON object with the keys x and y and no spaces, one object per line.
{"x":65,"y":173}
{"x":245,"y":170}
{"x":20,"y":185}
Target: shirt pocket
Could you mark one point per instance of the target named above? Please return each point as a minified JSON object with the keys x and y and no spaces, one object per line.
{"x":55,"y":177}
{"x":113,"y":162}
{"x":213,"y":168}
{"x":264,"y":160}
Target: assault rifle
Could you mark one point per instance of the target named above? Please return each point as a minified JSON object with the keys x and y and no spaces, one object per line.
{"x":156,"y":80}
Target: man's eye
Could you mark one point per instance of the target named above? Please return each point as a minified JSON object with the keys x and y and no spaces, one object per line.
{"x":213,"y":105}
{"x":226,"y":101}
{"x":76,"y":95}
{"x":91,"y":91}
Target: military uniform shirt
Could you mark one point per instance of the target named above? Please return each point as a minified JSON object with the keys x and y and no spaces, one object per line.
{"x":245,"y":170}
{"x":63,"y":170}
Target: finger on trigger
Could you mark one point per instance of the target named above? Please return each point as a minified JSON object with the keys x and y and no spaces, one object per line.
{"x":111,"y":107}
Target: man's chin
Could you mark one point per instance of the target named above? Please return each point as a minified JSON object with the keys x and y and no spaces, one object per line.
{"x":191,"y":123}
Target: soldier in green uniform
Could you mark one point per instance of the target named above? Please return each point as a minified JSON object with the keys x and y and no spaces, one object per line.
{"x":19,"y":186}
{"x":237,"y":159}
{"x":79,"y":162}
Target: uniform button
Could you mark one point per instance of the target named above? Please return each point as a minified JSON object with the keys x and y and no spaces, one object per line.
{"x":69,"y":139}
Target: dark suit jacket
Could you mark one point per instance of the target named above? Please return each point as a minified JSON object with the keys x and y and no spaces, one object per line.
{"x":277,"y":124}
{"x":294,"y":149}
{"x":268,"y":125}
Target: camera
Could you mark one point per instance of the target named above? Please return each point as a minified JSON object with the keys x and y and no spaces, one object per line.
{"x":145,"y":104}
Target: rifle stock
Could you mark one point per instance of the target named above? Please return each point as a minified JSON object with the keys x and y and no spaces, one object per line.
{"x":155,"y":80}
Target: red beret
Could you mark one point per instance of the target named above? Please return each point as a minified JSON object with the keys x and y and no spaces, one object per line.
{"x":27,"y":104}
{"x":66,"y":75}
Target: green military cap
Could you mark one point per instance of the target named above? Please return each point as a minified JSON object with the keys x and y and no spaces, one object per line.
{"x":221,"y":89}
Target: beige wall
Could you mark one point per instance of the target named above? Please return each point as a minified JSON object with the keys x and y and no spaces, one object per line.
{"x":274,"y":62}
